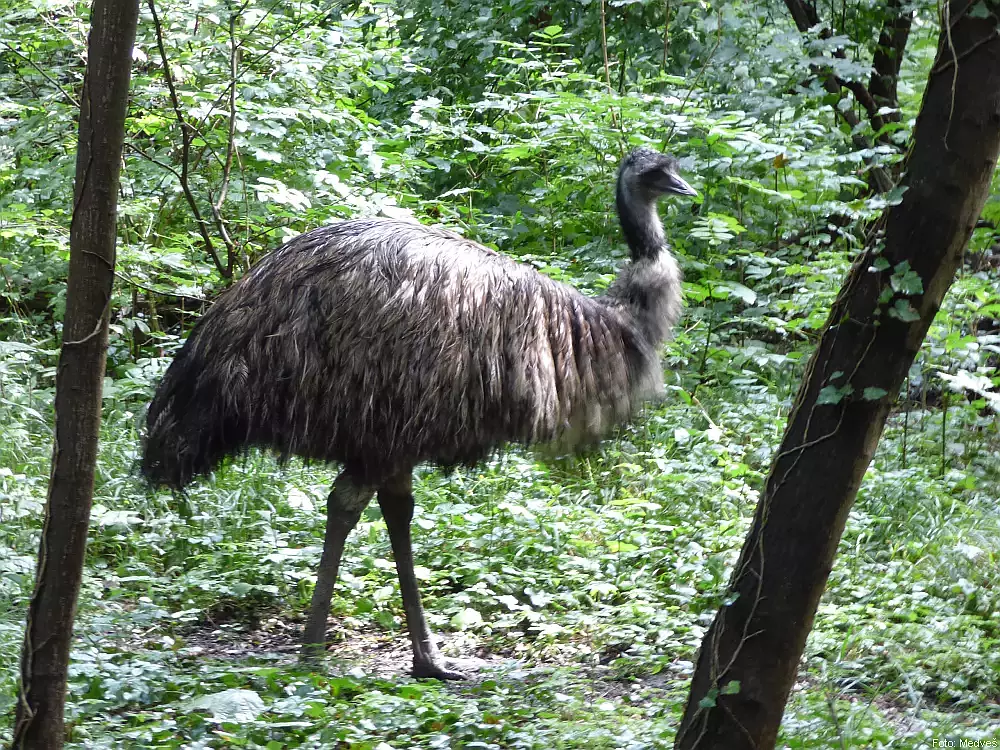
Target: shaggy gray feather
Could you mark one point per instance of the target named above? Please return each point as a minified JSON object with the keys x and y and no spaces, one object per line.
{"x":381,"y":344}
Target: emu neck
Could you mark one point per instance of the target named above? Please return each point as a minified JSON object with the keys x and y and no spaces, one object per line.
{"x":640,"y":223}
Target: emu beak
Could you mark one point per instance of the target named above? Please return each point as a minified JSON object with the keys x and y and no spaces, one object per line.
{"x":676,"y":185}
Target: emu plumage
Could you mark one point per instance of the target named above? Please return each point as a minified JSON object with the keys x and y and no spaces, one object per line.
{"x":381,"y":344}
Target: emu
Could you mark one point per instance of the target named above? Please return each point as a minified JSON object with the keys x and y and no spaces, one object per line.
{"x":381,"y":345}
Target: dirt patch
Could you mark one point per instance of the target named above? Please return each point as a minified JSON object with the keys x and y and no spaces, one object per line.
{"x":366,"y":649}
{"x":234,"y":640}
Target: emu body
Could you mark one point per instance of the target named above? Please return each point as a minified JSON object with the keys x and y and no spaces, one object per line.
{"x":380,"y":345}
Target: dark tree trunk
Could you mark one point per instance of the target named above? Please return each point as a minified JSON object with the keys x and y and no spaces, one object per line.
{"x":889,"y":56}
{"x":750,"y":656}
{"x":49,"y":629}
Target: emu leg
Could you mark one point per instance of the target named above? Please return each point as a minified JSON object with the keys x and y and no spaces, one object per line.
{"x":344,"y":505}
{"x":396,"y":500}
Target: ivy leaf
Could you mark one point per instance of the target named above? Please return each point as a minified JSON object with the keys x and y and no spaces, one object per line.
{"x":730,"y":688}
{"x":904,"y":311}
{"x":979,"y":10}
{"x":873,"y":394}
{"x":833,"y":394}
{"x":906,"y":281}
{"x":709,"y":700}
{"x":879,"y":264}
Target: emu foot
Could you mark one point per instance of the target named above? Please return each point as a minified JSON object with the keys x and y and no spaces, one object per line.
{"x":436,"y":667}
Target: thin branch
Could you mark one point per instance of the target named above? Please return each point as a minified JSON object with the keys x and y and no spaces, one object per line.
{"x":223,"y":231}
{"x":666,"y":34}
{"x":231,"y":134}
{"x":264,"y":16}
{"x":43,"y":74}
{"x":188,"y":128}
{"x":607,"y":68}
{"x":153,"y":160}
{"x":880,"y":176}
{"x":225,"y":270}
{"x":168,"y":76}
{"x":697,"y":80}
{"x":160,"y":292}
{"x":957,"y":59}
{"x":98,"y":327}
{"x":230,"y":143}
{"x":604,"y":46}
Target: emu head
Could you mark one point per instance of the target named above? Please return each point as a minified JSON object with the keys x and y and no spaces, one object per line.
{"x":644,"y":176}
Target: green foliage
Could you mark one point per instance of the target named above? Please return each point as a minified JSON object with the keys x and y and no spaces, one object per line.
{"x":590,"y":580}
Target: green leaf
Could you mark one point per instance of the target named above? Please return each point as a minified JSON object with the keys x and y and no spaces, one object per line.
{"x":747,"y":295}
{"x":873,"y":394}
{"x":234,"y":705}
{"x":980,"y":10}
{"x":904,"y":311}
{"x":833,"y":394}
{"x":730,"y":688}
{"x":992,"y":308}
{"x":879,"y":264}
{"x":709,"y":700}
{"x":695,"y":292}
{"x":905,"y":280}
{"x":466,"y":619}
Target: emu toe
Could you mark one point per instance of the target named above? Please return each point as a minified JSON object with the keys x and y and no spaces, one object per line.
{"x":437,"y":668}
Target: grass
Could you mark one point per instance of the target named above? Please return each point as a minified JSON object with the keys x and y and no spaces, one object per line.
{"x":585,"y":583}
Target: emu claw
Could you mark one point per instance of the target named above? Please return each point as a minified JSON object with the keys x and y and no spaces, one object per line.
{"x":437,"y":670}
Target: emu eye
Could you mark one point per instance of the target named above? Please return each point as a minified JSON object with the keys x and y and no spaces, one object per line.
{"x":654,"y":176}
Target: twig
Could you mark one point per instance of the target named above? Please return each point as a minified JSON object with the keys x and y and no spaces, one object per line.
{"x":607,"y":69}
{"x":666,"y":34}
{"x":230,"y":140}
{"x":98,"y":327}
{"x":161,"y":292}
{"x":44,"y":75}
{"x":186,"y":129}
{"x":697,"y":80}
{"x":154,"y":160}
{"x":955,"y":60}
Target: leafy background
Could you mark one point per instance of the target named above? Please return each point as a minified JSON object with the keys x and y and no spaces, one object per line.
{"x":586,"y":583}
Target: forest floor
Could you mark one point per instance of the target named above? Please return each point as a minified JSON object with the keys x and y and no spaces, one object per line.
{"x":580,"y":587}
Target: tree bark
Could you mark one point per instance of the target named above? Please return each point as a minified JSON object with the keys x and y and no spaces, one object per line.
{"x":887,"y":59}
{"x":749,"y":658}
{"x":49,"y":628}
